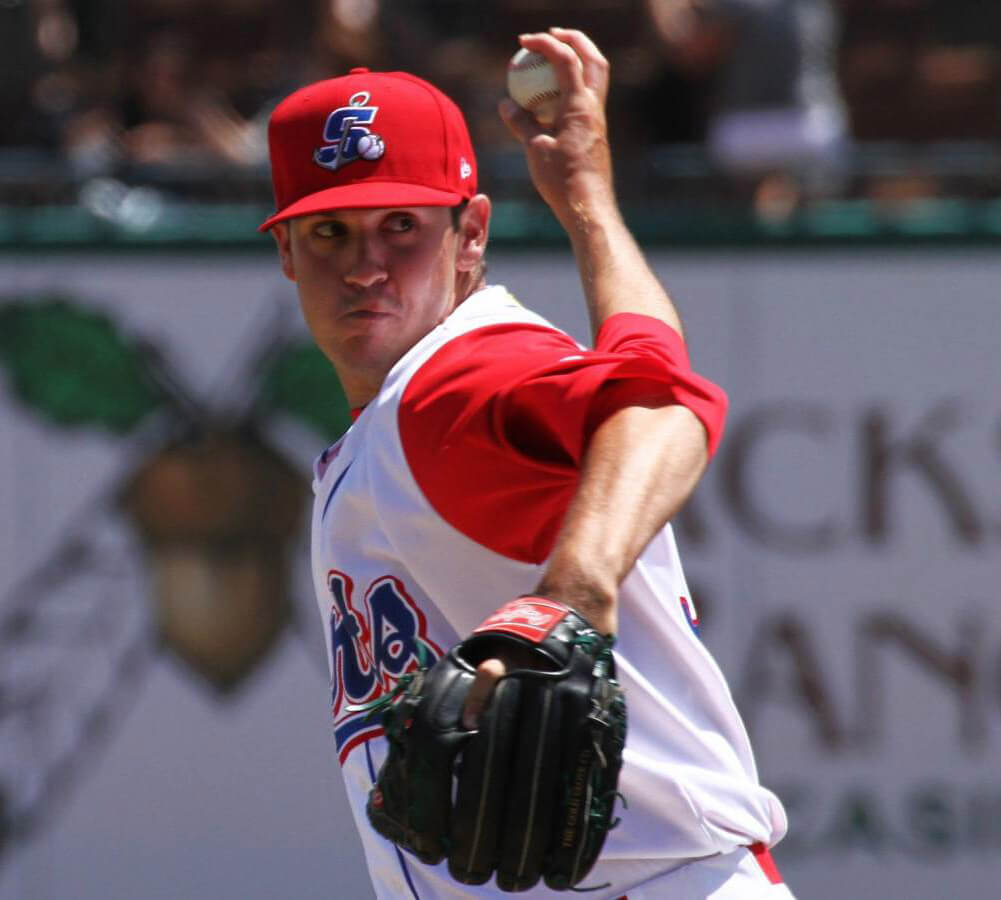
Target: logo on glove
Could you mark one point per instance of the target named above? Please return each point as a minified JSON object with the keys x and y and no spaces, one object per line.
{"x":528,"y":617}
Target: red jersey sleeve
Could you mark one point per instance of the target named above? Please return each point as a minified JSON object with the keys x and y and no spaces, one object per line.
{"x":495,"y":424}
{"x":646,"y":337}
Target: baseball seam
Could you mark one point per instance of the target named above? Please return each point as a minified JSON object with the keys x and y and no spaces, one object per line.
{"x":541,"y":97}
{"x":530,"y":62}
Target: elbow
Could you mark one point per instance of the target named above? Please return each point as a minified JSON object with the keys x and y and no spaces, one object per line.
{"x":685,"y":441}
{"x":700,"y":443}
{"x":708,"y":406}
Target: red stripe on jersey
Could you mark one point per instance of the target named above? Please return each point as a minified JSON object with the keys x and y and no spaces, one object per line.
{"x":495,"y":424}
{"x":764,"y":858}
{"x":359,"y":739}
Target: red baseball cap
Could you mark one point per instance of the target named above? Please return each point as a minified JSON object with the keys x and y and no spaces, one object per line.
{"x":368,"y":140}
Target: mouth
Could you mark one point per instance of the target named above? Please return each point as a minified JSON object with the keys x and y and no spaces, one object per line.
{"x":366,"y":314}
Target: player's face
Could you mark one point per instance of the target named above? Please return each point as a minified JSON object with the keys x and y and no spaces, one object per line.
{"x":372,"y":282}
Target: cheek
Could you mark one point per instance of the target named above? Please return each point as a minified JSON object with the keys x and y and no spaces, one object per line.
{"x":310,"y":311}
{"x":314,"y":301}
{"x":439,"y":280}
{"x":440,"y":295}
{"x":316,"y":283}
{"x":311,"y":267}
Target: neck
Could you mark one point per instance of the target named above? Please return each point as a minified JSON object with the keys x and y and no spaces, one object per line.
{"x":359,"y":391}
{"x":467,"y":284}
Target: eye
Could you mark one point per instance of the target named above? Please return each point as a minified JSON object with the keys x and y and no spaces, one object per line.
{"x":400,"y":223}
{"x":329,"y":228}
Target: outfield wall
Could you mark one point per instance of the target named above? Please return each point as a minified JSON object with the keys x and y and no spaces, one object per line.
{"x":844,"y":548}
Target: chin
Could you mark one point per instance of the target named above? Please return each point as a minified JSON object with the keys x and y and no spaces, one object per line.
{"x":376,"y":360}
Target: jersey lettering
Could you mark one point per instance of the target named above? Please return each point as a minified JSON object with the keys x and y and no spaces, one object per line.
{"x":350,"y":640}
{"x":371,"y":650}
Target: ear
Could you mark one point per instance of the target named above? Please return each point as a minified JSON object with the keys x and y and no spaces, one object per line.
{"x":474,"y":227}
{"x":283,"y":238}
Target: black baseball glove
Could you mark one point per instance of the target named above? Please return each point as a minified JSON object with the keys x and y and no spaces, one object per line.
{"x":529,"y":794}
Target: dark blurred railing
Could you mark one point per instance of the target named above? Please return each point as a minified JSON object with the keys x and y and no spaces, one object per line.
{"x":886,"y":192}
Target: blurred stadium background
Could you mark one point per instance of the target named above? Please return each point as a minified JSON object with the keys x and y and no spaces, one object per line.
{"x":818,"y":183}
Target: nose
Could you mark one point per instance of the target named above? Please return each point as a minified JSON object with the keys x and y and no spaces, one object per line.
{"x":368,"y":268}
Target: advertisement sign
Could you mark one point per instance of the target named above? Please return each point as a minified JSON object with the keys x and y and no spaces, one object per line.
{"x":843,"y":550}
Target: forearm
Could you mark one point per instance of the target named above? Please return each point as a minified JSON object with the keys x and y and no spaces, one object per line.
{"x":639,"y":469}
{"x":641,"y":464}
{"x":571,"y":167}
{"x":614,"y":273}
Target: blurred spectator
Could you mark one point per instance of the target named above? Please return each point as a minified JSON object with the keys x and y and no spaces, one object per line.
{"x":465,"y":47}
{"x":350,"y":34}
{"x":33,"y":37}
{"x":171,"y":115}
{"x":176,"y":83}
{"x":923,"y":69}
{"x":776,"y":120}
{"x":179,"y":91}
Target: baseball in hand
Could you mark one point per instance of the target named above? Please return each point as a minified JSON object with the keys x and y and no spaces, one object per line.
{"x":532,"y":84}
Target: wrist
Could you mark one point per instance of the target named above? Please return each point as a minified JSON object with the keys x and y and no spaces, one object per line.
{"x":589,"y":204}
{"x":596,"y":602}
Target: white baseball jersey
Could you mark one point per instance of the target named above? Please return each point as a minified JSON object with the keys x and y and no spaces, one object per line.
{"x":441,"y":503}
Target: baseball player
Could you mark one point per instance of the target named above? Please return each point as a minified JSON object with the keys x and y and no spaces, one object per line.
{"x":493,"y":458}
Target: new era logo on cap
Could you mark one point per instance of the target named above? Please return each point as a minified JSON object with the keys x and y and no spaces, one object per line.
{"x":368,"y":140}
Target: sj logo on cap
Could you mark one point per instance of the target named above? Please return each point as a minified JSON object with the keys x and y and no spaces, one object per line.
{"x":346,"y":136}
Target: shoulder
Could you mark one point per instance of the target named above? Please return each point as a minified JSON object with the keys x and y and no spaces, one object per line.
{"x":487,"y":344}
{"x":463,"y":430}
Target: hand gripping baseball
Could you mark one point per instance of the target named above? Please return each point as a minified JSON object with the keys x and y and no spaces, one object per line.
{"x":530,"y":793}
{"x":569,"y":159}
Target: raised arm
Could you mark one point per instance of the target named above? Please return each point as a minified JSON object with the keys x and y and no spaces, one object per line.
{"x":643,"y":462}
{"x":571,"y":168}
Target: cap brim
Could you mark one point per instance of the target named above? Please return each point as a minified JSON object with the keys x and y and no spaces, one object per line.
{"x":364,"y":195}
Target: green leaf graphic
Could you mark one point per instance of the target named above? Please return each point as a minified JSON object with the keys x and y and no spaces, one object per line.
{"x":73,"y":366}
{"x":302,"y":383}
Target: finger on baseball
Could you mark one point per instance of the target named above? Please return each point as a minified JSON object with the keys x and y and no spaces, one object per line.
{"x":520,"y":122}
{"x":593,"y":60}
{"x":566,"y":64}
{"x":488,"y":673}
